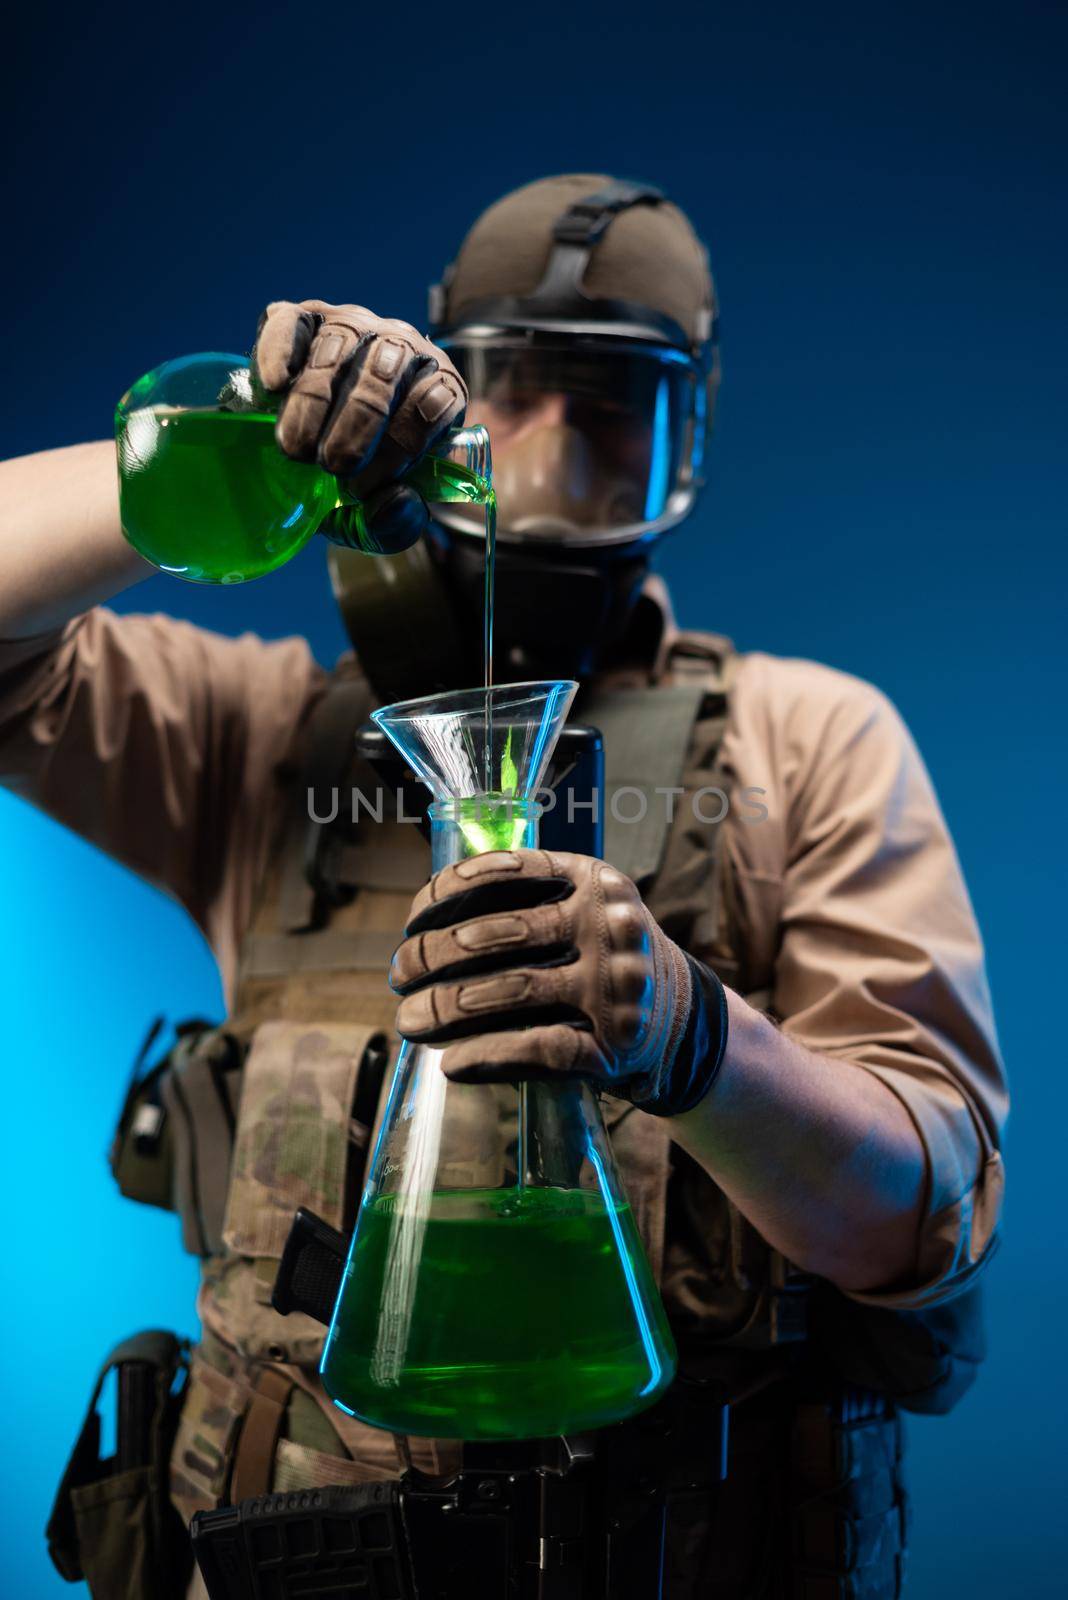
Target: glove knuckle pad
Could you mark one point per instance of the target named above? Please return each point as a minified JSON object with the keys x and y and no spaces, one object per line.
{"x":626,"y":925}
{"x":482,"y":866}
{"x":433,"y":401}
{"x":630,"y":979}
{"x":329,"y":348}
{"x":491,"y":994}
{"x":389,"y":358}
{"x":489,"y":933}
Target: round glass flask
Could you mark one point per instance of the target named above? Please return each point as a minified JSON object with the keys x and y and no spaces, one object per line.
{"x":205,"y":493}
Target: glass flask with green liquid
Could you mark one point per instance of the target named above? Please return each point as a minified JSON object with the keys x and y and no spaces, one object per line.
{"x":206,"y":494}
{"x":496,"y":1286}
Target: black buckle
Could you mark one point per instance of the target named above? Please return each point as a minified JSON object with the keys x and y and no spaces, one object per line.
{"x":586,"y":221}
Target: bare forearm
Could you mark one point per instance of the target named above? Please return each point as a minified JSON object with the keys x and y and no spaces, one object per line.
{"x":820,"y":1156}
{"x":61,"y":545}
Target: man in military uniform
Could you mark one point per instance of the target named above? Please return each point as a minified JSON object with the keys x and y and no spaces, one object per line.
{"x":787,"y":1007}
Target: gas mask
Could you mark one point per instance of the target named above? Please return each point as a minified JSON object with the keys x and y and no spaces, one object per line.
{"x":598,"y":407}
{"x":597,"y":441}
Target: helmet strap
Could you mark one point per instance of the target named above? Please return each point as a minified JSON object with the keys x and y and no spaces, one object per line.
{"x":560,"y":296}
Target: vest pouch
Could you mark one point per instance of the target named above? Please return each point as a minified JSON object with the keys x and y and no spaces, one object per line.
{"x":294,"y":1131}
{"x":849,"y":1512}
{"x":204,"y":1443}
{"x":113,"y":1523}
{"x":200,"y":1090}
{"x":301,"y":1140}
{"x":114,"y":1544}
{"x":175,"y":1134}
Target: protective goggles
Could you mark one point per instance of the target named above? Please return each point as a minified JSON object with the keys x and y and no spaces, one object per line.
{"x":596,"y":441}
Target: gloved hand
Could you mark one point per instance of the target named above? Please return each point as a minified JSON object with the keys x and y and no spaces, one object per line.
{"x":365,"y":396}
{"x":534,"y":964}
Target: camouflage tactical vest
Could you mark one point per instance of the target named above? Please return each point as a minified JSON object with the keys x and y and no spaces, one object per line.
{"x":312,"y":1004}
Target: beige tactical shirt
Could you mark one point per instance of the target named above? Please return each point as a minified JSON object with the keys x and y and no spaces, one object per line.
{"x":159,"y":742}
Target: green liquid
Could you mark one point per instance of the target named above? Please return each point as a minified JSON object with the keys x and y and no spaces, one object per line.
{"x":208,"y":495}
{"x":533,"y":1314}
{"x":444,"y":480}
{"x":488,"y":822}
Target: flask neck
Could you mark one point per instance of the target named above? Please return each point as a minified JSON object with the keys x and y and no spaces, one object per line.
{"x":470,"y":827}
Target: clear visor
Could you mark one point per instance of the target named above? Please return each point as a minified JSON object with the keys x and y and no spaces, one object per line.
{"x":594,"y":441}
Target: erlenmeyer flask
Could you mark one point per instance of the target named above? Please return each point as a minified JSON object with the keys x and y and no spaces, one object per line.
{"x":206,"y":494}
{"x":496,"y":1286}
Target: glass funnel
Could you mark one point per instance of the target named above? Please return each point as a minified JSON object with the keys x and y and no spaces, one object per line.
{"x":496,"y":1286}
{"x":205,"y":493}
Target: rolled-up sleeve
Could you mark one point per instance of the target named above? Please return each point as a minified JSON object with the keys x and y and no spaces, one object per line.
{"x":881,"y":965}
{"x":155,"y":740}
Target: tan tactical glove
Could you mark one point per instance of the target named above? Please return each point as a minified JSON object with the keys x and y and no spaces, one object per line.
{"x":533,"y":964}
{"x":365,"y":396}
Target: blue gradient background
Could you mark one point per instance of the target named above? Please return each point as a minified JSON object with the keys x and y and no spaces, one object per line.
{"x":882,"y":191}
